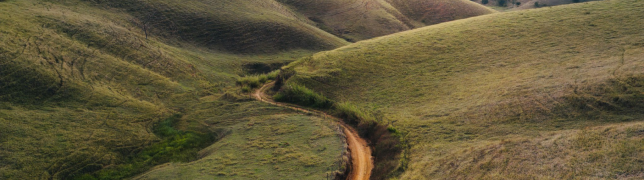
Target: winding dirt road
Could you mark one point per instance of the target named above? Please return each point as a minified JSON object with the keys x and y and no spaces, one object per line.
{"x":361,"y":161}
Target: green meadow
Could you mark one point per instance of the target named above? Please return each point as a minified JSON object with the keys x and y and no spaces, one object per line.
{"x":549,"y":93}
{"x":135,"y":89}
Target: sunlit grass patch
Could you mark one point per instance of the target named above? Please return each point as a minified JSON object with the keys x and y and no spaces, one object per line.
{"x":279,"y":146}
{"x":456,"y":86}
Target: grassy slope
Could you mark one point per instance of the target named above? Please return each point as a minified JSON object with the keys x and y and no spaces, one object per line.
{"x":238,"y":26}
{"x":547,"y":93}
{"x":271,"y":147}
{"x":364,"y":19}
{"x":81,"y":87}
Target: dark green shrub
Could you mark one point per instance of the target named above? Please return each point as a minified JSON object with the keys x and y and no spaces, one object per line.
{"x":301,"y":95}
{"x":251,"y":82}
{"x":262,"y":79}
{"x":484,"y":1}
{"x":351,"y":113}
{"x":175,"y":146}
{"x":502,"y":2}
{"x":273,"y":75}
{"x":281,"y":78}
{"x":246,"y":89}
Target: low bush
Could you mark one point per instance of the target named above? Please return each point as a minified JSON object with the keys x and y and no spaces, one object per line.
{"x":502,"y":3}
{"x":300,"y":95}
{"x":251,"y":82}
{"x":246,"y":89}
{"x":273,"y":75}
{"x":281,"y":78}
{"x":351,"y":113}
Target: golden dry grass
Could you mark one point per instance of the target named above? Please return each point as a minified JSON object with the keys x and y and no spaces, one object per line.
{"x":459,"y":89}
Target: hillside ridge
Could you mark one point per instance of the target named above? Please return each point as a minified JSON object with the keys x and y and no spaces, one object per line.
{"x":483,"y":94}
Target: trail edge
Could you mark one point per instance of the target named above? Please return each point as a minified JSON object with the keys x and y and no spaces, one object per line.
{"x":361,"y":159}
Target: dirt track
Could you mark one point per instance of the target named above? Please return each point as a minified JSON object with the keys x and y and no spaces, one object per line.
{"x":361,"y":160}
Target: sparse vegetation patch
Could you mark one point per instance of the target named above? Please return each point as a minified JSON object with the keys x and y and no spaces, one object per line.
{"x":175,"y":146}
{"x":254,"y":81}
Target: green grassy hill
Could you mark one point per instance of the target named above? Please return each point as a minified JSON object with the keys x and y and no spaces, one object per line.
{"x":550,"y":93}
{"x":364,"y":19}
{"x":272,"y":146}
{"x":109,"y":89}
{"x":237,"y":26}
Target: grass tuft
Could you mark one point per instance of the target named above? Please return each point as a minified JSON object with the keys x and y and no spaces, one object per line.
{"x":300,"y":95}
{"x":249,"y":83}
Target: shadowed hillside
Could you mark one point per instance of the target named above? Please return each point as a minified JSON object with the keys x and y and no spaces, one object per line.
{"x":550,"y":93}
{"x":423,"y":12}
{"x":364,"y":19}
{"x":526,"y":4}
{"x":238,"y":26}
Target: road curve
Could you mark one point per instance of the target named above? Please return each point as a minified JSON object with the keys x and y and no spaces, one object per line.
{"x":361,"y":160}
